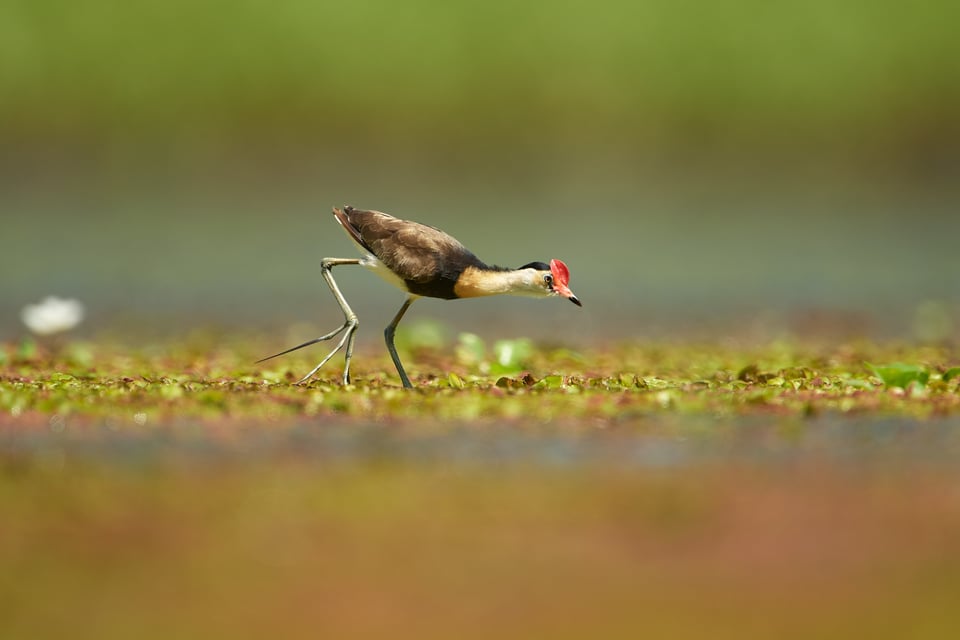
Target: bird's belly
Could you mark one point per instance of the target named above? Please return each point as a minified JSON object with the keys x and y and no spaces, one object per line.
{"x":372,"y":263}
{"x":436,"y":288}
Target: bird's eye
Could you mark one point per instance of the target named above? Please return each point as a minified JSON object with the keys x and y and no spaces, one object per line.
{"x":548,"y":279}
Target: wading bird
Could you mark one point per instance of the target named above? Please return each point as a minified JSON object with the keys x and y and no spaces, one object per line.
{"x":424,"y":262}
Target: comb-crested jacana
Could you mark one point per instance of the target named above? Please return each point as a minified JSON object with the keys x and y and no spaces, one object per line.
{"x":424,"y":262}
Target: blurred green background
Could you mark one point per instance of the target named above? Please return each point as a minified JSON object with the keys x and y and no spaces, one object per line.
{"x":702,"y":167}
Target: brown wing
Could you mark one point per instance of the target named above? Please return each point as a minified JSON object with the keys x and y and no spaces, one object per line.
{"x":415,"y":252}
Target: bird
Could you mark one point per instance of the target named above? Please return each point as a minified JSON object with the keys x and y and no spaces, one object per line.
{"x":422,"y":261}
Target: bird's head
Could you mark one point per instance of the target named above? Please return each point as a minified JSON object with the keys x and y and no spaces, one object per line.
{"x":551,"y":279}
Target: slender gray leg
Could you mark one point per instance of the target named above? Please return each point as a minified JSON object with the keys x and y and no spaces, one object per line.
{"x":388,"y":336}
{"x":350,"y":323}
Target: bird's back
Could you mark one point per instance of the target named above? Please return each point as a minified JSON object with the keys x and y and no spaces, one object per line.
{"x":426,"y":259}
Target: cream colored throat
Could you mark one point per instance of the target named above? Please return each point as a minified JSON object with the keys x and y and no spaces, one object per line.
{"x":474,"y":282}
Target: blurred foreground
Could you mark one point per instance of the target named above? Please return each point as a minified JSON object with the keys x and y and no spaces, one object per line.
{"x":289,"y":547}
{"x":734,"y":491}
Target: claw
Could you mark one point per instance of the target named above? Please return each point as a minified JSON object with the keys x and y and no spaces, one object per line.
{"x":350,"y":324}
{"x":351,"y":327}
{"x":330,"y":335}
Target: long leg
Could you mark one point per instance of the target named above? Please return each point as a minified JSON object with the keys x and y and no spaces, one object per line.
{"x":350,"y":323}
{"x":388,"y":336}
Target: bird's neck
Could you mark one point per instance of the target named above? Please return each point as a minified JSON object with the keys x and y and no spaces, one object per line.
{"x":475,"y":282}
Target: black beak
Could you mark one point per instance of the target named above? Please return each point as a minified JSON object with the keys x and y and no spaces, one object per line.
{"x":575,"y":300}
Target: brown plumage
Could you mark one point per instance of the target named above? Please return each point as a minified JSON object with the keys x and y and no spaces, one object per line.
{"x":428,"y":260}
{"x":424,"y":261}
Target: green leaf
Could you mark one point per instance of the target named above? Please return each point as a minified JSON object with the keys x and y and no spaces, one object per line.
{"x":900,"y":375}
{"x":512,"y":355}
{"x":81,"y":353}
{"x":550,"y":382}
{"x":951,"y":374}
{"x":455,"y":381}
{"x":470,"y":350}
{"x":27,"y":349}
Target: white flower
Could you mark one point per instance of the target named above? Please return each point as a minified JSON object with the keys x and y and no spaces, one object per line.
{"x":53,"y":315}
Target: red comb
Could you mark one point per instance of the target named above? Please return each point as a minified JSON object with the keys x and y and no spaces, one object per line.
{"x":560,"y":272}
